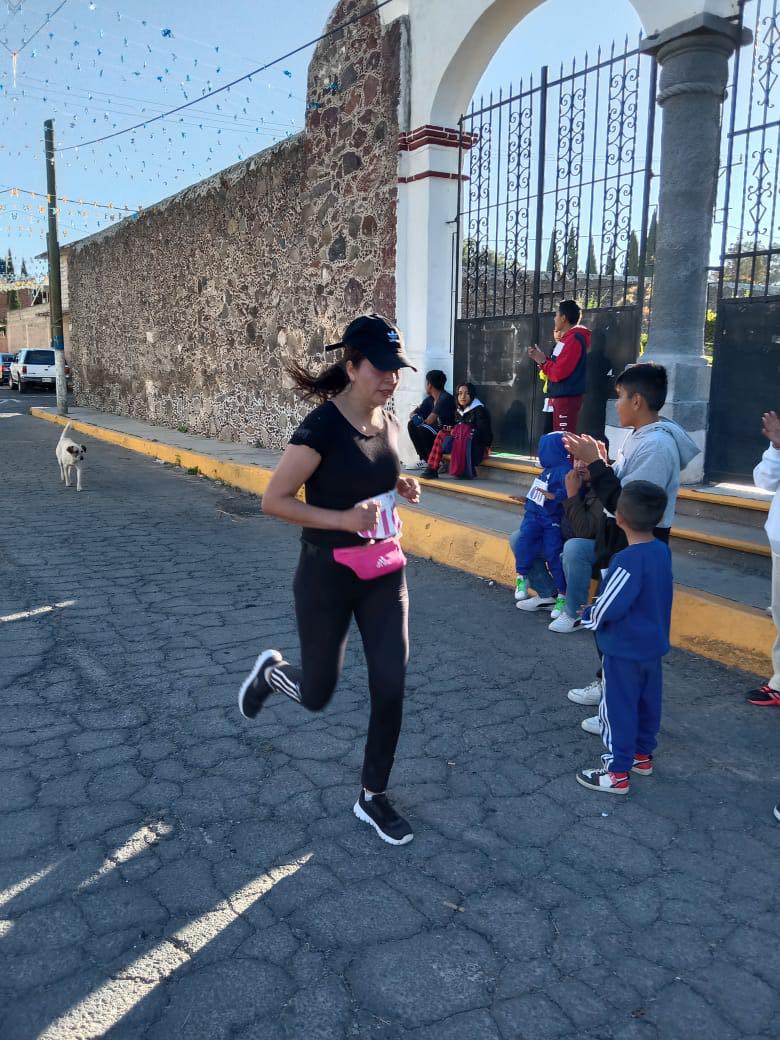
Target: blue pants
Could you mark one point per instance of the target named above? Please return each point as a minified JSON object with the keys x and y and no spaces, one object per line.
{"x":539,"y":536}
{"x":630,"y":710}
{"x":538,"y":576}
{"x":579,"y":555}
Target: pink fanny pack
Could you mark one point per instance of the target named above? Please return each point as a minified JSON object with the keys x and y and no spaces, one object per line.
{"x":373,"y":560}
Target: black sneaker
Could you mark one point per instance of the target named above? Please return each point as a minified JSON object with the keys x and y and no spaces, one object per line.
{"x":429,"y":473}
{"x":254,"y":689}
{"x":389,"y":825}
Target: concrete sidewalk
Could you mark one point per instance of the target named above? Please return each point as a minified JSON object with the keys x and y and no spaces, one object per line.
{"x":467,"y":535}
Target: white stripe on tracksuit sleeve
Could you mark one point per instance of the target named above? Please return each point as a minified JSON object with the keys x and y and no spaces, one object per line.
{"x":614,"y":600}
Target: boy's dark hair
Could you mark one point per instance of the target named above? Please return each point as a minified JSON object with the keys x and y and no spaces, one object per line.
{"x":570,"y":310}
{"x":642,"y":505}
{"x":648,"y":380}
{"x":436,"y":378}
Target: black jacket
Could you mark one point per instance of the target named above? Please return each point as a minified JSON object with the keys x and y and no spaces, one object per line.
{"x":479,"y":418}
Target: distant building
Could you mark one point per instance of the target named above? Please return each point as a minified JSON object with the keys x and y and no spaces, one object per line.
{"x":24,"y":314}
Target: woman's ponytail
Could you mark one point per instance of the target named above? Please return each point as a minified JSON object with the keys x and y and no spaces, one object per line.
{"x":329,"y":383}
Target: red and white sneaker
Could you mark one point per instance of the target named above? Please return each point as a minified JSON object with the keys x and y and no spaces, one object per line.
{"x":603,"y":780}
{"x":643,"y":765}
{"x":765,"y":696}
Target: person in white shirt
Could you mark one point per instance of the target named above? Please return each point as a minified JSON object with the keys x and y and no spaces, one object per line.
{"x":766,"y":475}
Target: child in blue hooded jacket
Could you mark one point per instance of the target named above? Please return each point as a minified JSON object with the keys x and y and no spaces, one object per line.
{"x":540,"y":532}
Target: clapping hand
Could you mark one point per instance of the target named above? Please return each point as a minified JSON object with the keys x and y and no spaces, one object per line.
{"x":537,"y":355}
{"x":586,"y":449}
{"x":770,"y":427}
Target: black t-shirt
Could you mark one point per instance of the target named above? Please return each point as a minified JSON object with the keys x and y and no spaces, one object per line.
{"x":354,"y":466}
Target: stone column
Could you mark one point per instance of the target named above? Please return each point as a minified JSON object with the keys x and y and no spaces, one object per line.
{"x":693,"y":57}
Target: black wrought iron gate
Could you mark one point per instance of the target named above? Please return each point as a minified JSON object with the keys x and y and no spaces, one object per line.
{"x":746,"y":349}
{"x":557,"y":202}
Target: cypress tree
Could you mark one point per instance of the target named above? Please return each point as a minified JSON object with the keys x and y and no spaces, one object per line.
{"x":554,"y":259}
{"x":592,"y":268}
{"x":652,"y":235}
{"x":571,"y":252}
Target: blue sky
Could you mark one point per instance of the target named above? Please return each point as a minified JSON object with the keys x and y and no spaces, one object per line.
{"x":100,"y":66}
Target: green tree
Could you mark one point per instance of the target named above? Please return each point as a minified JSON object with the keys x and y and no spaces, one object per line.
{"x":740,"y":271}
{"x":24,"y":273}
{"x":554,"y":257}
{"x":572,"y":251}
{"x":611,"y":264}
{"x":10,"y":271}
{"x":652,"y":236}
{"x":592,"y":267}
{"x":13,"y":300}
{"x":632,"y":256}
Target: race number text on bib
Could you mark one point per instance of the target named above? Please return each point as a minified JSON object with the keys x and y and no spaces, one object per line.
{"x":536,"y":492}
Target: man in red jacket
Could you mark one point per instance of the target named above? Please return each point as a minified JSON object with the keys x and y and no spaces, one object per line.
{"x":565,"y":368}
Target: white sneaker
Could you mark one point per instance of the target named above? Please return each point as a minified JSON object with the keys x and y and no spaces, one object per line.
{"x":566,"y":624}
{"x":534,"y":603}
{"x":587,"y":695}
{"x":592,"y":725}
{"x":417,"y":467}
{"x":559,"y":608}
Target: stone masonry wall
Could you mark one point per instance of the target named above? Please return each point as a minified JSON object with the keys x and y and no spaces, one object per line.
{"x":186,"y":315}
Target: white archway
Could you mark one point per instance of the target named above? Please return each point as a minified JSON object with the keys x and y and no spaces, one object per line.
{"x":451,"y":43}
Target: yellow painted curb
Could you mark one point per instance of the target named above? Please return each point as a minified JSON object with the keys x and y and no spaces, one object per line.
{"x":707,"y":625}
{"x":690,"y":535}
{"x":689,"y":494}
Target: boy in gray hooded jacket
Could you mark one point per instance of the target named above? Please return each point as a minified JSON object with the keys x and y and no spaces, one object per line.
{"x":656,"y":450}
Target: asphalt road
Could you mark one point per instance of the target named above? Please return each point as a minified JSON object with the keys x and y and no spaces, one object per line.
{"x":170,"y":870}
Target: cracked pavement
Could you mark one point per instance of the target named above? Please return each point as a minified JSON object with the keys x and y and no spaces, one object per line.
{"x":169,"y":870}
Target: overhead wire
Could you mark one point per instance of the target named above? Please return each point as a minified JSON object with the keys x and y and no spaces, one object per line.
{"x":227,"y":86}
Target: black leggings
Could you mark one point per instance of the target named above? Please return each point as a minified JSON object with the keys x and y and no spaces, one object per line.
{"x":327,"y":595}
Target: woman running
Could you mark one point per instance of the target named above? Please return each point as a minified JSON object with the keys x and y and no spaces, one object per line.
{"x":345,"y":452}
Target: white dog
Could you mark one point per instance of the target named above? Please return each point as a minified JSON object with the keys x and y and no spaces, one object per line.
{"x":70,"y":456}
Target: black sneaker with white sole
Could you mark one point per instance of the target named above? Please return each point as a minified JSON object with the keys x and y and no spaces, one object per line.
{"x":379,"y":812}
{"x":255,"y":690}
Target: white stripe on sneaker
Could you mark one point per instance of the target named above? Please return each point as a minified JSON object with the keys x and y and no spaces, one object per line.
{"x":280,"y":682}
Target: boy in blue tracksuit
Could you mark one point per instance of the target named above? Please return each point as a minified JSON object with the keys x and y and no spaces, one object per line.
{"x":540,"y":532}
{"x":631,"y":618}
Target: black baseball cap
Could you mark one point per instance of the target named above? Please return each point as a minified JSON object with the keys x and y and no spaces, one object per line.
{"x":378,"y":340}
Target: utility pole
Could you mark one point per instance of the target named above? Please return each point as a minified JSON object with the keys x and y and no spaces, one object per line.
{"x":55,"y":290}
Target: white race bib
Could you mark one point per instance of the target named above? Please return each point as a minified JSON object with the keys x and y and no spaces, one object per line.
{"x":535,"y":492}
{"x":389,"y":523}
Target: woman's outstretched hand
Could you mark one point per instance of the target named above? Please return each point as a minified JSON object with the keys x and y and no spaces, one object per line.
{"x":408,"y":488}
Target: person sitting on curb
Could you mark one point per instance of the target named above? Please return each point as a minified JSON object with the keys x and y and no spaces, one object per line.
{"x":468,"y":441}
{"x":566,"y":368}
{"x":436,"y":412}
{"x":582,"y":516}
{"x":766,"y":475}
{"x":540,"y":531}
{"x":656,"y":450}
{"x":631,"y":618}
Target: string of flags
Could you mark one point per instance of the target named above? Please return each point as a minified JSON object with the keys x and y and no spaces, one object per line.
{"x":99,"y":67}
